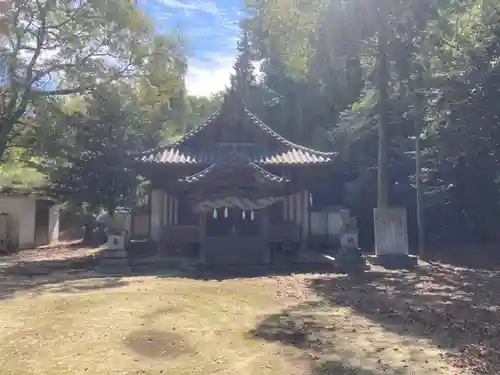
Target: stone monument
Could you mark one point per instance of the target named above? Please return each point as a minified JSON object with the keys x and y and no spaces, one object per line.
{"x":391,"y":239}
{"x":350,"y":258}
{"x":349,"y":238}
{"x":113,"y":257}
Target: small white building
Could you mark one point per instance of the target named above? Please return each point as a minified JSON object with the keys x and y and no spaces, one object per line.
{"x":28,"y":220}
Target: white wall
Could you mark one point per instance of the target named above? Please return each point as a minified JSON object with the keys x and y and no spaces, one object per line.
{"x":333,"y":225}
{"x":21,"y":212}
{"x":54,"y":224}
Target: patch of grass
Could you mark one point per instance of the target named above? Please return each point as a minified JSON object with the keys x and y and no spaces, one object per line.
{"x":153,"y":325}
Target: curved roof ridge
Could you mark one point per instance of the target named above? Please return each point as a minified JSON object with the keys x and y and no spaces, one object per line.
{"x":210,"y":119}
{"x":266,"y":173}
{"x":283,"y":140}
{"x":192,"y":132}
{"x":197,"y":175}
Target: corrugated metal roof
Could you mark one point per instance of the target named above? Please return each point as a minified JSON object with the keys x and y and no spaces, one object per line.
{"x":293,"y":156}
{"x":174,"y":156}
{"x":296,"y":156}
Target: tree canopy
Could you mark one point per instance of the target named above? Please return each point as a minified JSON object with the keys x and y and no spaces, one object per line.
{"x":53,"y":48}
{"x":326,"y":60}
{"x":331,"y":73}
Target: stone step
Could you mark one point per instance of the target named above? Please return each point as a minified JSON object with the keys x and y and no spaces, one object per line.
{"x":114,"y":270}
{"x":114,"y":262}
{"x":157,"y":263}
{"x":141,"y":270}
{"x":397,"y":261}
{"x":113,"y":253}
{"x":175,"y":265}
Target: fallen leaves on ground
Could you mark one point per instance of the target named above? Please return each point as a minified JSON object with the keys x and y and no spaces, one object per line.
{"x":457,"y":308}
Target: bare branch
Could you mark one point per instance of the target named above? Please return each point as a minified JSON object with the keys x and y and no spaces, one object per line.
{"x":40,"y":39}
{"x":70,"y":18}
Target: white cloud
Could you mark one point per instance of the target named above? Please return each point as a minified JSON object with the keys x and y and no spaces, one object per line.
{"x":211,"y":75}
{"x":203,"y":6}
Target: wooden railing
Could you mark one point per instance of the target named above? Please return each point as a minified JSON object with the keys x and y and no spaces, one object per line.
{"x":188,"y":234}
{"x":236,"y":250}
{"x":181,"y":234}
{"x":283,"y":232}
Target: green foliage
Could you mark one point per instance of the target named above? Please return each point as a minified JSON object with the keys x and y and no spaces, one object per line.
{"x":17,"y":174}
{"x":91,"y":165}
{"x":52,"y":48}
{"x":323,"y":59}
{"x":199,"y":109}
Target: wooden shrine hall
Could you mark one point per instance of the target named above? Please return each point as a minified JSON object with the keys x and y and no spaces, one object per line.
{"x":232,"y":190}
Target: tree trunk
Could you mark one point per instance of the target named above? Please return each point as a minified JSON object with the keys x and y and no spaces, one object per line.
{"x":383,"y":109}
{"x":419,"y":125}
{"x":420,"y":208}
{"x":88,"y":230}
{"x":6,"y":127}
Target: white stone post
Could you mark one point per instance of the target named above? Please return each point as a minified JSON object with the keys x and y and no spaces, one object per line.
{"x":391,"y":238}
{"x":54,"y":224}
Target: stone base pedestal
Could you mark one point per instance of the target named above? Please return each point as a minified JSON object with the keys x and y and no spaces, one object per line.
{"x":391,"y":239}
{"x":394,"y":261}
{"x":113,"y":259}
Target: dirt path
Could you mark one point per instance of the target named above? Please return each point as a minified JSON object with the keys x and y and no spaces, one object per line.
{"x":436,"y":320}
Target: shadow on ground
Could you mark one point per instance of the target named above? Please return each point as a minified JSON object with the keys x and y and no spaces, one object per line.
{"x":24,"y":272}
{"x":340,"y":368}
{"x":57,"y":284}
{"x":457,"y":309}
{"x":485,"y":257}
{"x":71,"y":275}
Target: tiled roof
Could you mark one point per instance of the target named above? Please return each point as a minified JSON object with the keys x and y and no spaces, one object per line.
{"x":214,"y":167}
{"x":179,"y":153}
{"x":256,"y":122}
{"x":196,"y":130}
{"x":174,"y":156}
{"x":297,"y":156}
{"x":290,"y":157}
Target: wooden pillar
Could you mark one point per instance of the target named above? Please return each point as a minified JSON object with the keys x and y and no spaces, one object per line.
{"x":305,"y":218}
{"x":297,"y":214}
{"x":265,"y":234}
{"x":285,"y":209}
{"x":156,"y":208}
{"x":170,"y":209}
{"x":161,"y":226}
{"x":203,"y":226}
{"x":165,"y":209}
{"x":290,"y":209}
{"x":175,"y":209}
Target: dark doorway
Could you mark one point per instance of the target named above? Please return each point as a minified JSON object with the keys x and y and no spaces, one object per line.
{"x":42,"y":218}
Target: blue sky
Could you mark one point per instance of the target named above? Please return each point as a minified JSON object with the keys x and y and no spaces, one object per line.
{"x":210,"y":29}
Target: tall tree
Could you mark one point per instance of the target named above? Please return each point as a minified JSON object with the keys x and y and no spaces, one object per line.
{"x":243,"y":78}
{"x":61,"y":47}
{"x":93,"y":165}
{"x":383,"y":104}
